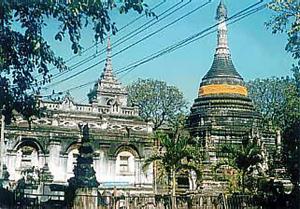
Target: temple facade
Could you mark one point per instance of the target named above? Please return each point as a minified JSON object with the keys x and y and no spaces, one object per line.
{"x":223,"y":113}
{"x":120,"y":139}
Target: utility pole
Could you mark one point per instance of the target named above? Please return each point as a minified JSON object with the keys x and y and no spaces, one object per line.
{"x":2,"y":145}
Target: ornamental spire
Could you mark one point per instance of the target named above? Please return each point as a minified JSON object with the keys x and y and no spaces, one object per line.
{"x":108,"y":64}
{"x":222,"y":47}
{"x":222,"y":70}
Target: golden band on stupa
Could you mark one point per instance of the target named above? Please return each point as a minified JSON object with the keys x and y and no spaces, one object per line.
{"x":222,"y":89}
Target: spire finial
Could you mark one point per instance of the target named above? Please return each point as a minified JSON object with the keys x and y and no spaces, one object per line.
{"x":221,"y":11}
{"x":108,"y":49}
{"x":108,"y":64}
{"x":222,"y":48}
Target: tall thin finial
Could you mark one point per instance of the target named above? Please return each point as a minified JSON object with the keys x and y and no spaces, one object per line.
{"x":221,"y":11}
{"x":222,"y":48}
{"x":108,"y":64}
{"x":108,"y":50}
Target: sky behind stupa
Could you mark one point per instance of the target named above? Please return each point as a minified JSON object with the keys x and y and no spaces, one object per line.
{"x":256,"y":52}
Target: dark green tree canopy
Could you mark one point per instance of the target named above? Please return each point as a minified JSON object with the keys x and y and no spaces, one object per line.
{"x":291,"y":151}
{"x":278,"y":99}
{"x":157,"y":101}
{"x":24,"y":53}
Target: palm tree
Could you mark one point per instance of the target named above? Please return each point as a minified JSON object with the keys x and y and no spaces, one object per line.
{"x":245,"y":157}
{"x":175,"y":155}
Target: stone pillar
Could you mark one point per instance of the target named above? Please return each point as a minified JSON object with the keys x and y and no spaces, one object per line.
{"x":64,"y":165}
{"x":137,"y":172}
{"x":97,"y":167}
{"x":278,"y":141}
{"x":11,"y":165}
{"x":104,"y":168}
{"x":54,"y":161}
{"x":112,"y":172}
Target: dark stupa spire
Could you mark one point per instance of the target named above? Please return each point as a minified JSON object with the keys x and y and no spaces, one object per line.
{"x":222,"y":70}
{"x":223,"y":104}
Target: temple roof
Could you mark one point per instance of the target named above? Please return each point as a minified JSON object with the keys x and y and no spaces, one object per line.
{"x":108,"y":82}
{"x":109,"y":89}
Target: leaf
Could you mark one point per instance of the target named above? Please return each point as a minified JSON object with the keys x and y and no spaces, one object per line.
{"x":58,"y":36}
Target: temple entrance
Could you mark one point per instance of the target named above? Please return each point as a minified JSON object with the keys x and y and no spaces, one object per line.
{"x":28,"y":160}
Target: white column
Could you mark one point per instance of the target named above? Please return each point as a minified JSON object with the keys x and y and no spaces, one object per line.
{"x":54,"y":161}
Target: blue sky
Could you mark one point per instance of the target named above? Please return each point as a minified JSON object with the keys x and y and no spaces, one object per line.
{"x":256,"y":52}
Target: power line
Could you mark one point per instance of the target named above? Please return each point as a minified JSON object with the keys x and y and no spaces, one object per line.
{"x":133,"y":44}
{"x":181,"y":44}
{"x":166,"y":13}
{"x":122,"y":28}
{"x":235,"y":18}
{"x":136,"y":19}
{"x":240,"y":15}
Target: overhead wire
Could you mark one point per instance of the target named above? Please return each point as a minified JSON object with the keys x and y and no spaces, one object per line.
{"x":235,"y":18}
{"x":119,"y":30}
{"x":131,"y":45}
{"x":188,"y":41}
{"x":166,"y":13}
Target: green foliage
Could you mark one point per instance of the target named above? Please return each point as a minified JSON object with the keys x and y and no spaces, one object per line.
{"x":246,"y":159}
{"x":291,"y":151}
{"x":277,"y":99}
{"x":287,"y":20}
{"x":175,"y":156}
{"x":25,"y":54}
{"x":157,"y":102}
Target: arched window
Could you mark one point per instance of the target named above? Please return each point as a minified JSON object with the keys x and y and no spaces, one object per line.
{"x":125,"y":163}
{"x":27,"y":157}
{"x":115,"y":107}
{"x":27,"y":161}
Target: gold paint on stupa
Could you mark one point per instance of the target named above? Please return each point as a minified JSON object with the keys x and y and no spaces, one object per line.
{"x":222,"y":89}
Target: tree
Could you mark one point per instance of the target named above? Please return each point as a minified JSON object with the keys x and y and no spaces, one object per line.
{"x":277,"y":99}
{"x":269,"y":97}
{"x":245,"y":158}
{"x":287,"y":20}
{"x":25,"y":54}
{"x":291,"y":160}
{"x":291,"y":151}
{"x":157,"y":102}
{"x":175,"y":155}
